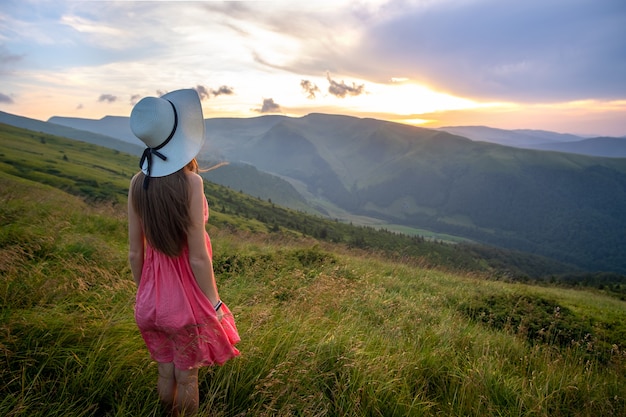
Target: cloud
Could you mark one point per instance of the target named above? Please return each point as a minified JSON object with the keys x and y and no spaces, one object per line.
{"x":269,"y":106}
{"x":206,"y":93}
{"x":203,"y":92}
{"x":309,"y":88}
{"x":295,"y":19}
{"x":529,"y":50}
{"x":8,"y":60}
{"x":342,"y":89}
{"x":109,"y":98}
{"x":223,"y":90}
{"x":134,"y":99}
{"x":6,"y":99}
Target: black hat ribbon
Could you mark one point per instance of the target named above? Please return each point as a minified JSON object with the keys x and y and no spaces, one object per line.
{"x":148,"y":152}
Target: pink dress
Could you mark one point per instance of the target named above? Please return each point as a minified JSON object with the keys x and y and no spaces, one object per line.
{"x":176,"y":320}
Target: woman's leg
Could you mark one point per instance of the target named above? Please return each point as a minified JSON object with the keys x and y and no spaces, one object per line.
{"x":186,"y":399}
{"x":166,"y":385}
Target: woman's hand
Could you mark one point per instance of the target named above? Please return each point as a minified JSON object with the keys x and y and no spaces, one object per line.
{"x":219,"y":311}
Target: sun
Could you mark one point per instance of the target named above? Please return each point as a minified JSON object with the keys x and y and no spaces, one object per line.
{"x":404,"y":97}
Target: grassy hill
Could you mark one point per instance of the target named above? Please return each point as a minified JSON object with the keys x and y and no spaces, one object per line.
{"x":328,"y":327}
{"x":253,"y":182}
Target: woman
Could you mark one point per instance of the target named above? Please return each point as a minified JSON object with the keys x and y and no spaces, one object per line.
{"x":178,"y":310}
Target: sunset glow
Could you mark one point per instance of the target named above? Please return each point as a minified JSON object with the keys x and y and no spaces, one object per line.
{"x":432,"y":63}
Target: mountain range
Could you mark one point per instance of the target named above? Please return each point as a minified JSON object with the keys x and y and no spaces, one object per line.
{"x":562,"y":205}
{"x":612,"y":147}
{"x":95,"y":136}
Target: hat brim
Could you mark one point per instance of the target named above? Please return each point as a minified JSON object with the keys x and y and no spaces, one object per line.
{"x":188,"y":138}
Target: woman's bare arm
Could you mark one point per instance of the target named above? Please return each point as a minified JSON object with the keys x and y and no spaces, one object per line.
{"x":199,"y":258}
{"x":136,"y":240}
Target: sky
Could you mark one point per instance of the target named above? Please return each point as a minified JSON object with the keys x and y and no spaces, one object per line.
{"x":556,"y":65}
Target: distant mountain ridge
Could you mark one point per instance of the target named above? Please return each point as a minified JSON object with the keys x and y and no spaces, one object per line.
{"x":515,"y":138}
{"x":544,"y":140}
{"x":114,"y":126}
{"x":95,"y":136}
{"x":118,"y":127}
{"x":600,"y":146}
{"x":565,"y":206}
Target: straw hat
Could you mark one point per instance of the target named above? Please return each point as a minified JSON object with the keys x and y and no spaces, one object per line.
{"x":172,"y":127}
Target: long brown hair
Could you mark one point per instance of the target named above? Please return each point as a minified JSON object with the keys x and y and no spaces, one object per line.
{"x":164,"y":209}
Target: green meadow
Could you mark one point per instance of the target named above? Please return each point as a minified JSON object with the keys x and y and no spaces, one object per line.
{"x":328,"y":327}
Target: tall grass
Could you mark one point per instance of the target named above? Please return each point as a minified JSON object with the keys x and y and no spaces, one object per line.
{"x":326,"y":331}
